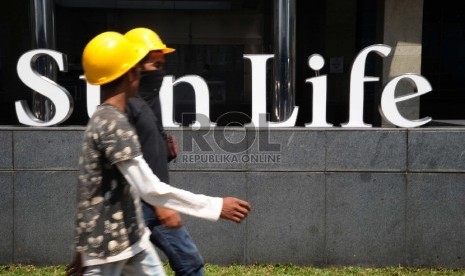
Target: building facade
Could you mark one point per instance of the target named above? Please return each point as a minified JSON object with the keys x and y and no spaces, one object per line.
{"x":322,"y":196}
{"x":212,"y":37}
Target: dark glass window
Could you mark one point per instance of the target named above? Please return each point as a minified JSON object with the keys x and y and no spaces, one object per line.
{"x":210,"y":38}
{"x":15,"y":40}
{"x":443,"y":59}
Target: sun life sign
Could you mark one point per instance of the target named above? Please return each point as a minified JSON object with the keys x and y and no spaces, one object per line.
{"x":63,"y":101}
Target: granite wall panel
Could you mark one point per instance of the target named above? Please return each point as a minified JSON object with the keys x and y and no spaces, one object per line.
{"x":221,"y":242}
{"x":287,"y":223}
{"x":436,"y":150}
{"x":47,"y":150}
{"x":6,"y":217}
{"x":45,"y":206}
{"x":6,"y":150}
{"x":291,"y":150}
{"x":368,"y":197}
{"x":209,"y":150}
{"x":366,"y":150}
{"x":365,"y":219}
{"x":435,"y":219}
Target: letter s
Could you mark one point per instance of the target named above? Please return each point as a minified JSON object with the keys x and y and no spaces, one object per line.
{"x":59,"y":96}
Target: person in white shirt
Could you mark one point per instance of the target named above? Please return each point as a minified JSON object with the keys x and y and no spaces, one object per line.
{"x":111,"y":238}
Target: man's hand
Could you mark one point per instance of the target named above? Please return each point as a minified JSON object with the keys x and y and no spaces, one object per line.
{"x":234,"y":209}
{"x":169,"y":218}
{"x":75,"y":268}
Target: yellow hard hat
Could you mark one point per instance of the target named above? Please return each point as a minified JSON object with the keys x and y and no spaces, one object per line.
{"x":110,"y":55}
{"x":149,"y":38}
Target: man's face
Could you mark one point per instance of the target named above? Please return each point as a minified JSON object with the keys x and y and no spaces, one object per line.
{"x":155,"y":60}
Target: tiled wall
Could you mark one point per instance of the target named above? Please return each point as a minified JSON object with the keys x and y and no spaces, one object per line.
{"x":336,"y":197}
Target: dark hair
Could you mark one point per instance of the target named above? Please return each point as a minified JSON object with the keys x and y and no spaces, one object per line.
{"x":114,"y":83}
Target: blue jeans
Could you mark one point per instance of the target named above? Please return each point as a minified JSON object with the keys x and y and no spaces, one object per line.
{"x":182,"y":253}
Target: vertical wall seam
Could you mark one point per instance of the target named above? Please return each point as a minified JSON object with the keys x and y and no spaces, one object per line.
{"x":246,"y":246}
{"x":406,"y":262}
{"x":407,"y":161}
{"x":325,"y":205}
{"x":13,"y":204}
{"x":13,"y":151}
{"x":13,"y":201}
{"x":246,"y":170}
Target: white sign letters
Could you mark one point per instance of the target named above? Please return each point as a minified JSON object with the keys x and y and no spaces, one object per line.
{"x":59,"y":96}
{"x":63,"y":102}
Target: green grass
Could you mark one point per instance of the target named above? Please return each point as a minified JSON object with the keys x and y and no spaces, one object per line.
{"x":259,"y":270}
{"x":16,"y":270}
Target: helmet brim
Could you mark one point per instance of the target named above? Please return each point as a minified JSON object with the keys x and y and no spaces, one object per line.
{"x":167,"y":50}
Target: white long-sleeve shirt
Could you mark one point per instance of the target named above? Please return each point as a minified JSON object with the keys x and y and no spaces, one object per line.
{"x":153,"y":191}
{"x":148,"y":186}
